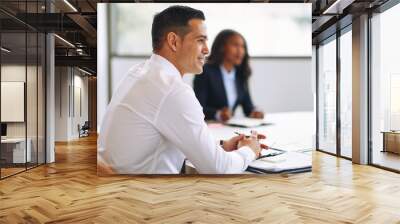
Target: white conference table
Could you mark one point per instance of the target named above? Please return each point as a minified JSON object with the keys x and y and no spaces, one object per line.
{"x":289,"y":131}
{"x":19,"y":154}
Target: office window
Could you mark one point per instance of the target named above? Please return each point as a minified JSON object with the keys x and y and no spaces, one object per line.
{"x":385,"y":87}
{"x":346,"y":94}
{"x":327,"y":96}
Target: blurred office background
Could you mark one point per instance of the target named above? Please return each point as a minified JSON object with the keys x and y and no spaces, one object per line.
{"x":278,"y":38}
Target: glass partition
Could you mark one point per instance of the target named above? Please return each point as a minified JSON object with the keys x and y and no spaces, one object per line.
{"x":346,"y":93}
{"x":22,"y":77}
{"x":327,"y":96}
{"x":14,"y":154}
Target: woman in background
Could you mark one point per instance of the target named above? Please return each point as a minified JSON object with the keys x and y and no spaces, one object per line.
{"x":223,"y":85}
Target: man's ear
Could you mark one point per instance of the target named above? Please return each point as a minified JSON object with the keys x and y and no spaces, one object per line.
{"x":172,"y":41}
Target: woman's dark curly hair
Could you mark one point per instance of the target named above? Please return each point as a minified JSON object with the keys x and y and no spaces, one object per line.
{"x":217,"y":53}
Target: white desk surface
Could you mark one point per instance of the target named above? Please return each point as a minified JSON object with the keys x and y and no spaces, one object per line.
{"x":289,"y":131}
{"x":20,"y":153}
{"x":13,"y":140}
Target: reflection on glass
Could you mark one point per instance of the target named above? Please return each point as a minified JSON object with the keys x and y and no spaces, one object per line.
{"x":327,"y":96}
{"x":385,"y":84}
{"x":346,"y":94}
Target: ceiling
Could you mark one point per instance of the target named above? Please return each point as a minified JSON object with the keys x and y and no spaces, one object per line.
{"x":76,"y":22}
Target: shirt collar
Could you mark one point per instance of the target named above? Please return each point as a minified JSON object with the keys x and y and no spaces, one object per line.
{"x":230,"y":74}
{"x":167,"y":67}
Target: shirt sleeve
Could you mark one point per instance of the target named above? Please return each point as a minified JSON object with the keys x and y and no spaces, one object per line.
{"x":181,"y":121}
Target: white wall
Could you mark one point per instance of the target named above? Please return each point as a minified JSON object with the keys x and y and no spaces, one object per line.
{"x":282,"y":84}
{"x":12,"y":73}
{"x":80,"y":83}
{"x":33,"y":126}
{"x":61,"y":103}
{"x":67,"y":115}
{"x":276,"y":85}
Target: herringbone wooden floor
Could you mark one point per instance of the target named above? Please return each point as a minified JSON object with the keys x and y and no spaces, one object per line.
{"x":69,"y":191}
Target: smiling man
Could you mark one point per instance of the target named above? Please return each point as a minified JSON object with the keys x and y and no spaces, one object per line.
{"x":154,"y":120}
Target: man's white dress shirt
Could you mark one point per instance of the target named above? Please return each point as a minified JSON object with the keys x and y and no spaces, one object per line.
{"x":154,"y":121}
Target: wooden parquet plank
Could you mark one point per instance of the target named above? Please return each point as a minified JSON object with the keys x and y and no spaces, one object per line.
{"x":69,"y":191}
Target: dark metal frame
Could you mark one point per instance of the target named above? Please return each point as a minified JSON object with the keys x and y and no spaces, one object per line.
{"x":316,"y":97}
{"x":338,"y":76}
{"x":369,"y":81}
{"x":45,"y":89}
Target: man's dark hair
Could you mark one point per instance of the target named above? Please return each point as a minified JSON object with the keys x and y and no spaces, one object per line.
{"x":173,"y":19}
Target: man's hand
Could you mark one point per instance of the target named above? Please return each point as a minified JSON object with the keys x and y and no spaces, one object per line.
{"x":253,"y":143}
{"x":225,"y":114}
{"x":232,"y":144}
{"x":257,"y":114}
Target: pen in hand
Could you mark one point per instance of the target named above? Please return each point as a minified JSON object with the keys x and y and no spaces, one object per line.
{"x":266,"y":147}
{"x":247,"y":136}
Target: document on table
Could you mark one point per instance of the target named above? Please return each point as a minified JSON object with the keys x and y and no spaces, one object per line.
{"x":246,"y":122}
{"x":286,"y":162}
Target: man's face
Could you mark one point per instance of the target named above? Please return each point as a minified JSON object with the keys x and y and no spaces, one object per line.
{"x":193,"y":48}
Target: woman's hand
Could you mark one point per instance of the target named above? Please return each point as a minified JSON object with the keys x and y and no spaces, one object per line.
{"x":225,"y":114}
{"x":257,"y":114}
